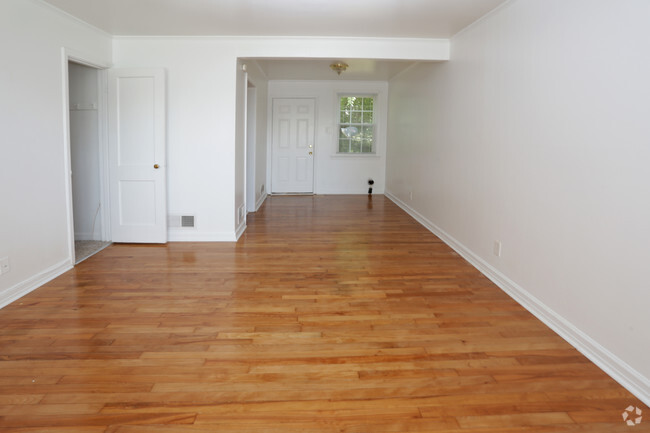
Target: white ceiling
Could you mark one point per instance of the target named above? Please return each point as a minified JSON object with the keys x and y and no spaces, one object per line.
{"x":362,"y":18}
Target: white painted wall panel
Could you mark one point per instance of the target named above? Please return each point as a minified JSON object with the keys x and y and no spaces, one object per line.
{"x":536,"y":134}
{"x":33,"y":213}
{"x":201,"y":98}
{"x":205,"y":116}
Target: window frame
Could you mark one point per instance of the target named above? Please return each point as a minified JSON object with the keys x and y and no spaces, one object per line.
{"x":373,"y":125}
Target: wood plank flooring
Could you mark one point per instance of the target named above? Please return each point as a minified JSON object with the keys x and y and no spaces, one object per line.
{"x":331,"y":314}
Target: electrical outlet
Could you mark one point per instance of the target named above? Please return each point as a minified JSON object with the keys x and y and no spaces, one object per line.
{"x":4,"y":265}
{"x":410,"y":195}
{"x":497,"y":248}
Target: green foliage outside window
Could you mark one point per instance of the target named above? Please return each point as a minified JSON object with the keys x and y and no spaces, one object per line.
{"x":356,"y":124}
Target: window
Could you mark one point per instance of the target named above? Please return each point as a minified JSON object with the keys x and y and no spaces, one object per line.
{"x":356,"y":124}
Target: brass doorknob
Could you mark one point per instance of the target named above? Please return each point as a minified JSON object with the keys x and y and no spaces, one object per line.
{"x":311,"y":153}
{"x":156,"y":166}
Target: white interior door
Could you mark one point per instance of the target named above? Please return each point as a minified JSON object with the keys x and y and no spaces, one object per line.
{"x":138,"y":186}
{"x":293,"y":146}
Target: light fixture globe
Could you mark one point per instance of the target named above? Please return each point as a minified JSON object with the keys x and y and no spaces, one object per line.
{"x":339,"y":67}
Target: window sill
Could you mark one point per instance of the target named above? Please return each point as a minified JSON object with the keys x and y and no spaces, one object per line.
{"x":355,"y":155}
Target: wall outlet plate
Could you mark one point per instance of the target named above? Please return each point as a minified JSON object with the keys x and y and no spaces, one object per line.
{"x":497,"y":248}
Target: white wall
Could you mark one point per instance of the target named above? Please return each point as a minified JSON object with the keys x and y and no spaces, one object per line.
{"x":334,"y":173}
{"x":258,"y":79}
{"x":201,"y":97}
{"x":536,"y":134}
{"x":201,"y":90}
{"x":84,"y":151}
{"x":33,"y":210}
{"x":205,"y":98}
{"x":240,"y":150}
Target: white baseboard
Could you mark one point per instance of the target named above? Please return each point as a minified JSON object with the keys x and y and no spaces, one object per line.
{"x":21,"y":289}
{"x":240,"y":230}
{"x":611,"y":364}
{"x":194,"y":236}
{"x":260,"y":202}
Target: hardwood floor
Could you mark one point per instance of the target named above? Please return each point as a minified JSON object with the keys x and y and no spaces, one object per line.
{"x":331,"y":314}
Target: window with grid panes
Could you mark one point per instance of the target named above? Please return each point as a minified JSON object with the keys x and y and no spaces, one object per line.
{"x":356,"y":124}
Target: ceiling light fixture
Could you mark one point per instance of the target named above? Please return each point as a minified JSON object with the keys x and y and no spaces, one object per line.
{"x":339,"y":67}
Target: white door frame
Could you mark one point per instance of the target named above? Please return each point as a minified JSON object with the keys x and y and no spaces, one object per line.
{"x":245,"y":114}
{"x":68,"y":55}
{"x":269,"y":140}
{"x":251,"y":133}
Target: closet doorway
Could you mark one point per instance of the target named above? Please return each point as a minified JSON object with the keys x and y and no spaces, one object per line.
{"x":86,"y":161}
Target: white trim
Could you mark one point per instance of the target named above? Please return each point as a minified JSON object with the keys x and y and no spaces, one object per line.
{"x":260,"y":202}
{"x":71,"y":17}
{"x":255,"y":38}
{"x":320,"y":47}
{"x":611,"y":364}
{"x":67,"y":153}
{"x":245,"y":142}
{"x":251,"y":146}
{"x":240,"y":230}
{"x":194,"y":236}
{"x":269,"y":137}
{"x":70,"y":55}
{"x":104,"y":167}
{"x":21,"y":289}
{"x":85,"y":59}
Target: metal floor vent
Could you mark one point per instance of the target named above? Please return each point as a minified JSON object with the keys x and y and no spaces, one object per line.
{"x":187,"y":220}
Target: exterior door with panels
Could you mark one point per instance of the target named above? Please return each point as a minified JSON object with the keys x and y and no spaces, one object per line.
{"x":293,"y":146}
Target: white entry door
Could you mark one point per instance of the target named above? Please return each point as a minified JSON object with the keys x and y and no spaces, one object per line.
{"x":293,"y":146}
{"x":138,"y":187}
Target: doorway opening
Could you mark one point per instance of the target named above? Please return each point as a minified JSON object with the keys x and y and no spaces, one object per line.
{"x":86,"y":161}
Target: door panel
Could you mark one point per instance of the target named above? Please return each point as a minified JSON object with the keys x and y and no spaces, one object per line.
{"x":141,"y":197}
{"x":283,"y":133}
{"x":137,"y":155}
{"x":303,"y":133}
{"x":293,"y":145}
{"x":136,"y":144}
{"x":302,"y":169}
